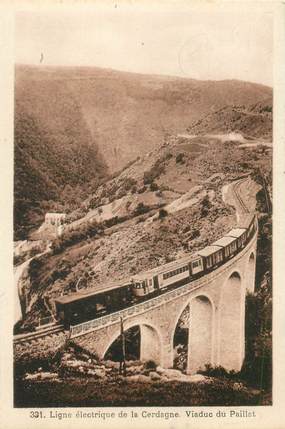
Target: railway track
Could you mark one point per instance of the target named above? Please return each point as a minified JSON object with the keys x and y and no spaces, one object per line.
{"x":236,"y":189}
{"x":44,"y":332}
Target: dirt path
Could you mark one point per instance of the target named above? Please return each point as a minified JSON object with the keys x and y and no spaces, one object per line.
{"x":21,"y":276}
{"x":19,"y":272}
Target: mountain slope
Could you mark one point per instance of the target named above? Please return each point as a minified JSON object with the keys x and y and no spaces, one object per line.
{"x":252,"y":121}
{"x":126,"y":114}
{"x":74,"y":126}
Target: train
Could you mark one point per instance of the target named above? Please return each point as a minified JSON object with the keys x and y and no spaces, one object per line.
{"x":89,"y":304}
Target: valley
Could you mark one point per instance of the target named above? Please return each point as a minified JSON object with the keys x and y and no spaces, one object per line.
{"x":142,"y":167}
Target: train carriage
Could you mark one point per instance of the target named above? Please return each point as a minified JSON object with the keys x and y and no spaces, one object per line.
{"x":240,"y":235}
{"x":161,"y":277}
{"x":249,"y":223}
{"x":144,"y":284}
{"x":228,"y":245}
{"x":89,"y":304}
{"x":175,"y":274}
{"x":196,"y":266}
{"x":212,"y":256}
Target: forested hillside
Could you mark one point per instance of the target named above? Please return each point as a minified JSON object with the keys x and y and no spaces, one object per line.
{"x":55,"y":168}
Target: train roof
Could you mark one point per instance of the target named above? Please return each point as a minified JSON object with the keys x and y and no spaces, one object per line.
{"x":165,"y":267}
{"x":224,"y":241}
{"x":209,"y":250}
{"x":236,"y":232}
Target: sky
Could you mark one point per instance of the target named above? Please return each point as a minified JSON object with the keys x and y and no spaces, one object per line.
{"x":209,"y":41}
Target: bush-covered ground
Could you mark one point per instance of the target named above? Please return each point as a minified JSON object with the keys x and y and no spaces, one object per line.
{"x":73,"y":377}
{"x":90,"y":392}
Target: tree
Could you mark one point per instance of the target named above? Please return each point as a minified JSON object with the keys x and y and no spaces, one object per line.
{"x":205,"y":206}
{"x":153,"y":187}
{"x":180,"y":158}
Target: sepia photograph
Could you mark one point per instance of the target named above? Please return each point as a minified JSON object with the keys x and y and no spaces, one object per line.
{"x":143,"y":154}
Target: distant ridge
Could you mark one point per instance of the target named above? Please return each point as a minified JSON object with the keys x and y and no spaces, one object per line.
{"x":84,"y":69}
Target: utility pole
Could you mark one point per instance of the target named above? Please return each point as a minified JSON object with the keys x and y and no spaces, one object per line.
{"x":123,"y":344}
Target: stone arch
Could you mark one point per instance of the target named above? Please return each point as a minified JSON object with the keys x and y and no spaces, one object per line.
{"x":231,"y":326}
{"x":150,"y":341}
{"x":250,"y":273}
{"x":201,"y":332}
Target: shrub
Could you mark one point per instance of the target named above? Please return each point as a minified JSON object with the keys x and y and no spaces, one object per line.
{"x":156,"y":170}
{"x":148,"y":177}
{"x":129,"y":183}
{"x":34,"y":266}
{"x":217,"y":371}
{"x":153,"y":187}
{"x":180,"y":158}
{"x":141,"y":209}
{"x":162,"y":213}
{"x":150,"y":364}
{"x":114,"y":221}
{"x":141,"y":190}
{"x":194,"y":234}
{"x":167,"y":156}
{"x":267,"y":109}
{"x":205,"y":204}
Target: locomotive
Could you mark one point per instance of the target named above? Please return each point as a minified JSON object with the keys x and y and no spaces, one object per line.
{"x":90,"y":304}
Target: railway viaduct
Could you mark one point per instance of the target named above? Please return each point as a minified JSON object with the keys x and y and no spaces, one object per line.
{"x":216,"y":325}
